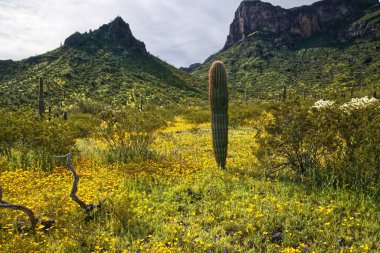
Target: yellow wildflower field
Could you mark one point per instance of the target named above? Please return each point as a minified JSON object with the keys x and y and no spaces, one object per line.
{"x":180,"y":202}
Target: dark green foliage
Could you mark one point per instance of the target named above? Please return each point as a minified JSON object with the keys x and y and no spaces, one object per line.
{"x":292,"y":140}
{"x":371,"y":18}
{"x":65,"y":115}
{"x":218,"y":97}
{"x":84,"y":125}
{"x":28,"y":142}
{"x":41,"y":102}
{"x":312,"y":68}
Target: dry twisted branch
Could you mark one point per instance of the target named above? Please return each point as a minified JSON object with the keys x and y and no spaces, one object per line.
{"x":48,"y":223}
{"x":29,"y":212}
{"x":87,"y":207}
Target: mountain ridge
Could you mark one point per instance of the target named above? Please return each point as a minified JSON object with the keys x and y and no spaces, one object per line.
{"x":116,"y":34}
{"x":290,"y":26}
{"x":263,"y":50}
{"x":108,"y":65}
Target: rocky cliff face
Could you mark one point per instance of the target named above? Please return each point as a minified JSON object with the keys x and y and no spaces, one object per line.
{"x":115,"y":35}
{"x":291,"y":25}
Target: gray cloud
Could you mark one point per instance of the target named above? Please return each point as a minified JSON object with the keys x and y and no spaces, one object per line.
{"x":180,"y":32}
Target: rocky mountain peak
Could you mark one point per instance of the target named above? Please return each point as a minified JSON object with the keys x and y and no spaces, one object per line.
{"x":255,"y":18}
{"x":115,"y":35}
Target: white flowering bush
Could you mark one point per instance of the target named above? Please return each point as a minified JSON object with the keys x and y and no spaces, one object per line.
{"x":358,"y":103}
{"x":323,"y":104}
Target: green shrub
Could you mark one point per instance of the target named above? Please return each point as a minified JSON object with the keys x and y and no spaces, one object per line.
{"x":243,"y":115}
{"x":129,"y":133}
{"x":83,"y":125}
{"x":31,"y":142}
{"x":292,"y":140}
{"x":359,"y":146}
{"x":330,"y":145}
{"x":89,"y":106}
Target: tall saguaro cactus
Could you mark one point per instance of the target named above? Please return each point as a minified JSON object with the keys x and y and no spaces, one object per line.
{"x":41,"y":103}
{"x":218,"y":96}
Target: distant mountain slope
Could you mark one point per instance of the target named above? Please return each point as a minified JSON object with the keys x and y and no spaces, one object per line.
{"x":107,"y":64}
{"x":329,"y":46}
{"x":291,"y":26}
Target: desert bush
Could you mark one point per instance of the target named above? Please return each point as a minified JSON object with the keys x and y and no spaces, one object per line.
{"x":330,"y":144}
{"x":242,"y":115}
{"x":83,"y":124}
{"x":29,"y":141}
{"x":9,"y":132}
{"x":359,"y":145}
{"x":87,"y":105}
{"x":292,"y":139}
{"x":129,"y":133}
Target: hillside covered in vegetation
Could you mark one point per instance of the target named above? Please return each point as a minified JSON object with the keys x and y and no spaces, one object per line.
{"x":310,"y":48}
{"x":107,"y":65}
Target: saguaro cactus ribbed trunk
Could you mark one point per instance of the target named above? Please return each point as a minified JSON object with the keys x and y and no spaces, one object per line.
{"x":41,"y":103}
{"x":218,"y":96}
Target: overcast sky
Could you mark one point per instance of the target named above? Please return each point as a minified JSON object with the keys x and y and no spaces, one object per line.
{"x":178,"y":31}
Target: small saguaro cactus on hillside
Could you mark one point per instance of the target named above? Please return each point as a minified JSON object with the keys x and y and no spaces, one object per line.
{"x":41,"y":103}
{"x":49,"y":111}
{"x":218,"y":96}
{"x":284,"y":86}
{"x":141,"y":103}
